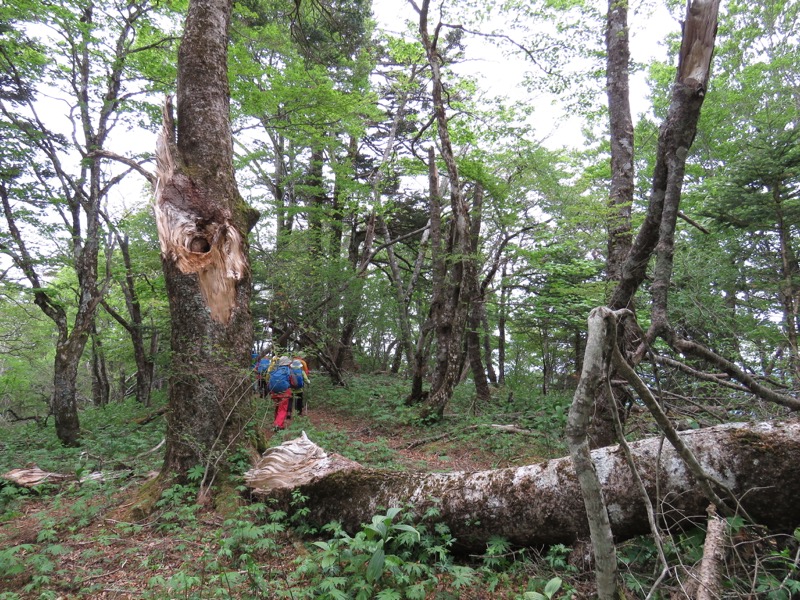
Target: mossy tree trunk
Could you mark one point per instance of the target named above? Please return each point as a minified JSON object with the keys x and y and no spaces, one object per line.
{"x":202,"y":224}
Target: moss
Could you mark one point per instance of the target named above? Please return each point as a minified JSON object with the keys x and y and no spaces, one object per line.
{"x":146,"y":497}
{"x":227,"y":499}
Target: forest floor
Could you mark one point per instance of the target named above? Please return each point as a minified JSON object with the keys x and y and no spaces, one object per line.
{"x":85,"y":545}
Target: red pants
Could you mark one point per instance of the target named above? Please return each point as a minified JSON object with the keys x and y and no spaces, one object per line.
{"x":281,"y":407}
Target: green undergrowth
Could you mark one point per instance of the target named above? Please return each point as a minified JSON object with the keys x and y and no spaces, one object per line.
{"x":110,"y":439}
{"x":539,"y":421}
{"x":185,"y":550}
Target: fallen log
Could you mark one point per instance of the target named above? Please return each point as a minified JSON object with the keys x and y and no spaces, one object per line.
{"x":32,"y":476}
{"x":541,"y":504}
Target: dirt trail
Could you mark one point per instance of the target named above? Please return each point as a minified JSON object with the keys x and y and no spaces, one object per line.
{"x":442,"y":454}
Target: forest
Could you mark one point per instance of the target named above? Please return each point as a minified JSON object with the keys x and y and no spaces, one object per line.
{"x":541,"y":258}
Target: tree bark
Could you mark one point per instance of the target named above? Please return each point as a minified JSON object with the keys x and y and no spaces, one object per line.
{"x":675,"y":139}
{"x":101,"y":388}
{"x":541,"y":504}
{"x":461,"y":275}
{"x":620,"y":196}
{"x":438,"y":271}
{"x":477,"y":304}
{"x":594,"y":378}
{"x":502,"y":311}
{"x":709,"y":581}
{"x":202,"y":225}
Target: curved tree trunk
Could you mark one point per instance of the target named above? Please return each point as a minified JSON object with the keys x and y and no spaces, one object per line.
{"x":202,"y":225}
{"x":134,"y":324}
{"x":461,"y":276}
{"x":676,"y":136}
{"x":542,"y":504}
{"x":64,"y":403}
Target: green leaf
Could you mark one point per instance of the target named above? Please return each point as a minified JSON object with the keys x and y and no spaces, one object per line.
{"x":393,"y":512}
{"x":375,"y":567}
{"x":552,"y":587}
{"x":408,"y":528}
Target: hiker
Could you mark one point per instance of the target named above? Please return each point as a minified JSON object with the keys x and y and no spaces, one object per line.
{"x":262,"y":369}
{"x":254,"y":370}
{"x":299,"y":370}
{"x":280,"y":391}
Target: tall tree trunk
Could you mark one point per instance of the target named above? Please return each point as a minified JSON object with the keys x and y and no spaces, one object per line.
{"x":476,"y":309}
{"x":438,"y":271}
{"x":482,"y":390}
{"x":64,"y":405}
{"x":501,"y":327}
{"x":487,"y":346}
{"x":541,"y":504}
{"x":101,"y":388}
{"x":72,"y":338}
{"x":316,"y":202}
{"x":451,"y":319}
{"x":620,"y":197}
{"x":676,"y":135}
{"x":403,"y":322}
{"x":789,"y":288}
{"x":202,"y":225}
{"x":283,"y":216}
{"x":134,"y":324}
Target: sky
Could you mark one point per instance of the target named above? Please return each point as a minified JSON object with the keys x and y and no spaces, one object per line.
{"x":648,"y":24}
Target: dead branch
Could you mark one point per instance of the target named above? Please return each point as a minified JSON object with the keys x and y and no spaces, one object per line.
{"x":151,"y":417}
{"x":602,"y":335}
{"x":693,"y":348}
{"x":709,"y":579}
{"x":15,"y":417}
{"x":692,"y":222}
{"x":705,"y":481}
{"x":712,"y":377}
{"x":449,"y":434}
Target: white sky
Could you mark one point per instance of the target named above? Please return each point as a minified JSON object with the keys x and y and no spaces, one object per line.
{"x":649,"y":25}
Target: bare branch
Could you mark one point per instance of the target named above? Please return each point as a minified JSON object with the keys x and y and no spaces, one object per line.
{"x":151,"y":177}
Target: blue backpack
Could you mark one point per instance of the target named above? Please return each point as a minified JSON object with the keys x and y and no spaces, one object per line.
{"x":279,"y":380}
{"x":296,"y":379}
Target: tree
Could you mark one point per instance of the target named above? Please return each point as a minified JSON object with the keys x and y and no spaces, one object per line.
{"x":202,"y":224}
{"x":759,"y":193}
{"x":454,"y":291}
{"x":620,"y":196}
{"x":54,"y":178}
{"x":143,"y":350}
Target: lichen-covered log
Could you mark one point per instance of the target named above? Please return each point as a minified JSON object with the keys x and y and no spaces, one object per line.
{"x":541,"y":504}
